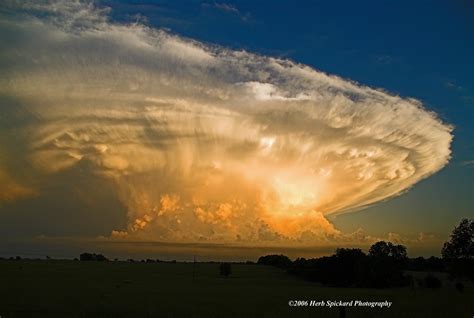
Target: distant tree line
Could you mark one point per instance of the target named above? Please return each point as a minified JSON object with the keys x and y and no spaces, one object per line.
{"x":382,"y":267}
{"x":430,"y":264}
{"x":385,"y":265}
{"x":92,"y":257}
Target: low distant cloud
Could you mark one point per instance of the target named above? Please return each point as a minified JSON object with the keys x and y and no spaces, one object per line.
{"x":468,"y":163}
{"x":203,"y":143}
{"x":424,"y":237}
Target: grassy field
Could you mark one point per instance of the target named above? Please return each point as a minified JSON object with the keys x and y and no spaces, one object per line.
{"x":121,"y":289}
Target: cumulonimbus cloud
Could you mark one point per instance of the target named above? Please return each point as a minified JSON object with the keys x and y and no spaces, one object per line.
{"x":201,"y":142}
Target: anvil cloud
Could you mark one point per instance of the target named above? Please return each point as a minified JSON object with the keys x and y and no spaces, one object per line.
{"x":200,"y":143}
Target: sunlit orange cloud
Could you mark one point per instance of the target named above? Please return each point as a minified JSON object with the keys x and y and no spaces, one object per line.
{"x":204,"y":143}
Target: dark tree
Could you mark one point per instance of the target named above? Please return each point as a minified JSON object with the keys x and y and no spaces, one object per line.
{"x":280,"y":261}
{"x":398,"y":252}
{"x":384,"y":249}
{"x":387,"y":263}
{"x":225,"y":269}
{"x":92,"y":257}
{"x":458,"y":252}
{"x":380,"y":249}
{"x":350,"y":265}
{"x":86,"y":257}
{"x":100,"y":258}
{"x":461,"y":244}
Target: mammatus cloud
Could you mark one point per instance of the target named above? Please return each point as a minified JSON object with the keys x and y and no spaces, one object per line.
{"x":201,"y":143}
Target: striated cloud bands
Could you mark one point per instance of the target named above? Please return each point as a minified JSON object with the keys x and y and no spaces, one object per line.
{"x":201,"y":143}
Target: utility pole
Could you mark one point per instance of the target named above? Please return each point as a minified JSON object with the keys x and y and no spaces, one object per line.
{"x":194,"y":268}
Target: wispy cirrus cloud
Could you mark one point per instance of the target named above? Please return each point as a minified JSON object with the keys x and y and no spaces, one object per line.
{"x":228,"y":8}
{"x":202,"y":143}
{"x":468,"y":163}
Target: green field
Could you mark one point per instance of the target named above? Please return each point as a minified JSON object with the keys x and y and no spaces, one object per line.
{"x":122,"y":289}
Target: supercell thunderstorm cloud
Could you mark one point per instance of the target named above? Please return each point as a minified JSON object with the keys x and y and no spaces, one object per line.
{"x":199,"y":143}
